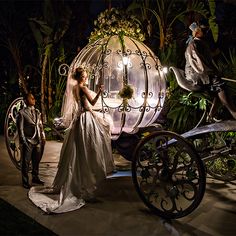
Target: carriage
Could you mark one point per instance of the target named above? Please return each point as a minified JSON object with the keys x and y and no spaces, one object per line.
{"x":168,"y":170}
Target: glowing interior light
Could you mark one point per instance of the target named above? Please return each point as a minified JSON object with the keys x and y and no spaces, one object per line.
{"x":139,"y":99}
{"x":125,"y":60}
{"x":135,"y":65}
{"x":165,"y":70}
{"x":57,"y":118}
{"x":120,"y":65}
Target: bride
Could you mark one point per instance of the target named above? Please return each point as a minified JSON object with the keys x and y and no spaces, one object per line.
{"x":86,"y":155}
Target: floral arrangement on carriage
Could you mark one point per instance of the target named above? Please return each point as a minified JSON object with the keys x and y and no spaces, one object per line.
{"x":116,"y":22}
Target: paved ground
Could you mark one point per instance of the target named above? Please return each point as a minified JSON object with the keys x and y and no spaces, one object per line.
{"x":120,"y":211}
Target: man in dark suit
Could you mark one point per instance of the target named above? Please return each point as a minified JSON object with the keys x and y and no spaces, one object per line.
{"x":32,"y":140}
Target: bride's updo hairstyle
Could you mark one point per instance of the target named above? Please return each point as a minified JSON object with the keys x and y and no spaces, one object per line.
{"x":77,"y":75}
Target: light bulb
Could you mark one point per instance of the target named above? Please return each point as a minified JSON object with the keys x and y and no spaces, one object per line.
{"x":125,"y":60}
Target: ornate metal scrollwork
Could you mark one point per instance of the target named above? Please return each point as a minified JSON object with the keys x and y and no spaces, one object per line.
{"x":11,"y":133}
{"x":124,"y":63}
{"x":168,"y":174}
{"x":63,"y":69}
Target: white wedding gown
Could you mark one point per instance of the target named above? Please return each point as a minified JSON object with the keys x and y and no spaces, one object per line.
{"x":85,"y":160}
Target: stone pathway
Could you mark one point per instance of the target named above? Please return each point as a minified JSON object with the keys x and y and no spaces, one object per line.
{"x":119,"y":210}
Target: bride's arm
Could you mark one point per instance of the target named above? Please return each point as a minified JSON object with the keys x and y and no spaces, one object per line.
{"x":91,"y":100}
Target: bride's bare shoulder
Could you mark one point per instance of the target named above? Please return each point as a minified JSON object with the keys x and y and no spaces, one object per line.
{"x":83,"y":88}
{"x":77,"y":87}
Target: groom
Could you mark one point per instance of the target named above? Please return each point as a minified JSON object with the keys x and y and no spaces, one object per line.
{"x":32,"y":140}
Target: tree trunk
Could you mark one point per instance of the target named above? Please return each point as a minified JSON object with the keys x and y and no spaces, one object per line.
{"x":49,"y":90}
{"x":43,"y":87}
{"x":14,"y":49}
{"x":22,"y":83}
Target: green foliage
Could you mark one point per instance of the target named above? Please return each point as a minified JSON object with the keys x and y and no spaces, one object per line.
{"x":126,"y":92}
{"x":223,"y":166}
{"x":48,"y":32}
{"x":60,"y":84}
{"x":39,"y":26}
{"x":168,"y":55}
{"x":227,"y":67}
{"x":186,"y":110}
{"x":198,"y":7}
{"x":115,"y":22}
{"x":167,"y":13}
{"x":212,"y":20}
{"x":227,"y":64}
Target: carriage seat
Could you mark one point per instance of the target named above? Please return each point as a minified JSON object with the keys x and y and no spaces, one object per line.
{"x":183,"y":82}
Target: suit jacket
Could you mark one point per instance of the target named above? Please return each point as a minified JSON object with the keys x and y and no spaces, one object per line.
{"x":30,"y":126}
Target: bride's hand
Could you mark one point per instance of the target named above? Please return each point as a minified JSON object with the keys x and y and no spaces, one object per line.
{"x":101,"y":87}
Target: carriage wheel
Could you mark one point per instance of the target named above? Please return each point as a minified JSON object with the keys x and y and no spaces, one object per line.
{"x":222,"y":164}
{"x":10,"y":131}
{"x":168,"y":174}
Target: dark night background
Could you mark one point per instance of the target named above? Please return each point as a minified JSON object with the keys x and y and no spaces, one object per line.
{"x":15,"y":17}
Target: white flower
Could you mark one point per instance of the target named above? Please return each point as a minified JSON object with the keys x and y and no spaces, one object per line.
{"x":113,"y":21}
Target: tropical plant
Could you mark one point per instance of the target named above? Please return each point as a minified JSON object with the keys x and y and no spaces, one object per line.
{"x":166,"y":13}
{"x":212,"y":20}
{"x":13,"y":39}
{"x":59,"y":85}
{"x":227,"y":64}
{"x":48,"y":33}
{"x":186,"y":110}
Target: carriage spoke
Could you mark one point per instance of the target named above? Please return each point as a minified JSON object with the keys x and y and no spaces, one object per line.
{"x":168,"y":174}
